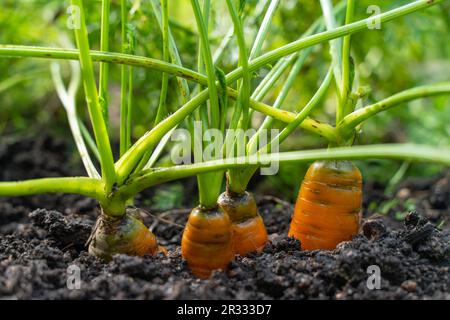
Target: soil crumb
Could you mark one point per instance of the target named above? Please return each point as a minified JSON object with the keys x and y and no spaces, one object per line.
{"x":39,"y":257}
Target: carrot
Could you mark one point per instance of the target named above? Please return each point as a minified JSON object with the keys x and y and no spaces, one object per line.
{"x":127,"y":235}
{"x":207,"y":241}
{"x":328,"y":206}
{"x":249,"y":232}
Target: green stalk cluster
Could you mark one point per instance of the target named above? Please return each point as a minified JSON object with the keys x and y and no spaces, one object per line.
{"x":120,"y":180}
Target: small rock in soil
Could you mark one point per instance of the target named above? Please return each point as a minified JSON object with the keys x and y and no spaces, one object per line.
{"x":373,"y":229}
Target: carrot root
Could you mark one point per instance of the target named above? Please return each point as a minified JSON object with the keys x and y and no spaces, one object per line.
{"x":249,"y":231}
{"x":328,"y":206}
{"x":207,"y":242}
{"x":124,"y":235}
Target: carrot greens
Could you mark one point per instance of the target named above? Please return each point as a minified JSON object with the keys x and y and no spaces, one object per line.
{"x":220,"y":98}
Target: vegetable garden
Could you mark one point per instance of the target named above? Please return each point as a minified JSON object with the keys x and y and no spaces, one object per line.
{"x":231,"y":104}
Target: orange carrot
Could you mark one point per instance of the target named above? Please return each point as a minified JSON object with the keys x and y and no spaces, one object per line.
{"x":249,"y":232}
{"x":328,"y":206}
{"x":207,"y":242}
{"x":127,"y":235}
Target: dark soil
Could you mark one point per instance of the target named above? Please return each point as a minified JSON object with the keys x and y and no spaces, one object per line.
{"x":38,"y":245}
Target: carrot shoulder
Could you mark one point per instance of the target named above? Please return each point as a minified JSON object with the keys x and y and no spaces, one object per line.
{"x":207,"y":242}
{"x":249,"y":232}
{"x":121,"y":235}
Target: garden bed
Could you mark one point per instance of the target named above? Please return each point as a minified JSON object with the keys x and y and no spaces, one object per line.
{"x":38,"y":245}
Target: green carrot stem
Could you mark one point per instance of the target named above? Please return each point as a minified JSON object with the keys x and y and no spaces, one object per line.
{"x":265,"y":59}
{"x":239,"y":178}
{"x":124,"y":146}
{"x":258,"y":62}
{"x":209,"y":184}
{"x":174,"y":54}
{"x":259,"y":10}
{"x":303,"y":114}
{"x":335,"y":44}
{"x":268,"y":82}
{"x":244,"y":90}
{"x":279,"y":68}
{"x":411,"y":152}
{"x":202,"y":111}
{"x":209,"y":188}
{"x":312,"y":125}
{"x":148,"y":141}
{"x":89,"y":187}
{"x":150,"y":157}
{"x":110,"y":57}
{"x":209,"y":65}
{"x":68,"y":100}
{"x":264,"y":29}
{"x":124,"y":71}
{"x":162,"y":109}
{"x":104,"y":67}
{"x":89,"y":140}
{"x":145,"y":179}
{"x":349,"y":123}
{"x":312,"y":40}
{"x":345,"y":89}
{"x":129,"y":113}
{"x":268,"y":121}
{"x":95,"y":111}
{"x":241,"y":113}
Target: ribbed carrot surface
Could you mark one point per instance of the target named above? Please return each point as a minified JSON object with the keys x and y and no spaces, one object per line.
{"x":249,"y":232}
{"x":207,"y":241}
{"x":328,"y":206}
{"x":127,"y":235}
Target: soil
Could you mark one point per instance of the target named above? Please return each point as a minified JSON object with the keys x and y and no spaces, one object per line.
{"x":38,"y":245}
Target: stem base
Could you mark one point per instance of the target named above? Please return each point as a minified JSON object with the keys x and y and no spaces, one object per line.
{"x":122,"y":235}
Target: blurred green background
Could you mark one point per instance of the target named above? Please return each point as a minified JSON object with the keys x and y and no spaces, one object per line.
{"x":407,"y":52}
